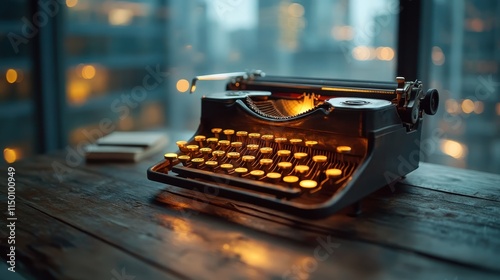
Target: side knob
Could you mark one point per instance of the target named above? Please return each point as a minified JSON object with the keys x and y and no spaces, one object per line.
{"x":430,"y":102}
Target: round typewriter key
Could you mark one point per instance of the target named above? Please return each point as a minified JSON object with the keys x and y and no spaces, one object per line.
{"x":226,"y":167}
{"x":170,"y":156}
{"x":291,"y":181}
{"x":211,"y":164}
{"x":182,"y":145}
{"x":216,"y":131}
{"x":301,"y":169}
{"x":273,"y":177}
{"x":284,"y":165}
{"x":206,"y":152}
{"x":254,"y":136}
{"x":192,"y":148}
{"x":266,"y":151}
{"x":284,"y":153}
{"x":300,"y":155}
{"x":343,"y":149}
{"x":236,"y":145}
{"x":184,"y":159}
{"x":228,"y":133}
{"x":198,"y":161}
{"x":308,"y":184}
{"x":311,"y":143}
{"x":224,"y":143}
{"x":241,"y":171}
{"x":242,"y":136}
{"x":319,"y":158}
{"x":295,"y":141}
{"x":280,"y":140}
{"x":200,"y":139}
{"x":218,"y":153}
{"x":252,"y":147}
{"x":267,"y":138}
{"x":248,"y":158}
{"x":256,"y":174}
{"x":233,"y":155}
{"x":266,"y":162}
{"x":212,"y":142}
{"x":333,"y":172}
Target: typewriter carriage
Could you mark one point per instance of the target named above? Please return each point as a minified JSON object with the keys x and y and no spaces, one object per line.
{"x":381,"y":126}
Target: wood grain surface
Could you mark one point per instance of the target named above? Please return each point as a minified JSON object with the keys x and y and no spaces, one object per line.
{"x":103,"y":221}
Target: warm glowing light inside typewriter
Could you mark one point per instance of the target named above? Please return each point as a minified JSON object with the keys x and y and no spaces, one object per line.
{"x":304,"y":106}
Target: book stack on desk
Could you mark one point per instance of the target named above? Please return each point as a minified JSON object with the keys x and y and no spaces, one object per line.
{"x":126,"y":146}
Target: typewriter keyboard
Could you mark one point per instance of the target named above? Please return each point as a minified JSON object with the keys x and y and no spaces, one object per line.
{"x":264,"y":163}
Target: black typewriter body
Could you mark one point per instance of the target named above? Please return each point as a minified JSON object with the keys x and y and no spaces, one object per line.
{"x":305,"y":147}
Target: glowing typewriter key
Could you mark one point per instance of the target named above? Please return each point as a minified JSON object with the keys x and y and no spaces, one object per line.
{"x":236,"y":145}
{"x":319,"y":158}
{"x":333,"y":172}
{"x":224,"y":144}
{"x":248,"y":158}
{"x":300,"y":156}
{"x":182,"y":145}
{"x":301,"y":169}
{"x":200,"y":139}
{"x":252,"y":147}
{"x":280,"y":140}
{"x":311,"y":143}
{"x":170,"y":156}
{"x":216,"y":131}
{"x":212,"y":142}
{"x":184,"y":159}
{"x":211,"y":164}
{"x":254,"y":136}
{"x":242,"y":136}
{"x":218,"y":154}
{"x":291,"y":181}
{"x":266,"y":151}
{"x":240,"y":171}
{"x":226,"y":167}
{"x":228,"y":133}
{"x":267,"y":138}
{"x":192,"y":148}
{"x":266,"y":162}
{"x":284,"y":153}
{"x":308,"y":184}
{"x":206,"y":152}
{"x":273,"y":177}
{"x":257,"y":174}
{"x":285,"y":165}
{"x":343,"y":149}
{"x":198,"y":161}
{"x":295,"y":141}
{"x":233,"y":155}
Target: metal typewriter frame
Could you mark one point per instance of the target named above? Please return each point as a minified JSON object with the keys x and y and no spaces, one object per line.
{"x":390,"y":133}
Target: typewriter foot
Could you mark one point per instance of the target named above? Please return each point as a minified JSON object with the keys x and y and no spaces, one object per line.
{"x":356,"y":209}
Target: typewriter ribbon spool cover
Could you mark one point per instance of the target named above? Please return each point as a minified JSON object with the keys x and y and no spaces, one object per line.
{"x":304,"y":146}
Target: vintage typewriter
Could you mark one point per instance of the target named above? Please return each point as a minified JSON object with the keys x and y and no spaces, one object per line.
{"x":303,"y":146}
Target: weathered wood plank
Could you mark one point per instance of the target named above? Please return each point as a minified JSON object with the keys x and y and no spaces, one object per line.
{"x":50,"y":249}
{"x":457,"y":181}
{"x":121,"y":213}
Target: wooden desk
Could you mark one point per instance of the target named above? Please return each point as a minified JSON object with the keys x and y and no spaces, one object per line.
{"x":102,"y":222}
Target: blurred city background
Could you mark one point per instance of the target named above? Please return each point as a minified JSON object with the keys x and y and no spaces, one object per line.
{"x":91,"y":53}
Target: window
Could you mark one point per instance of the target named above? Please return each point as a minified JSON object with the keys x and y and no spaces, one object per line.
{"x":111,"y":51}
